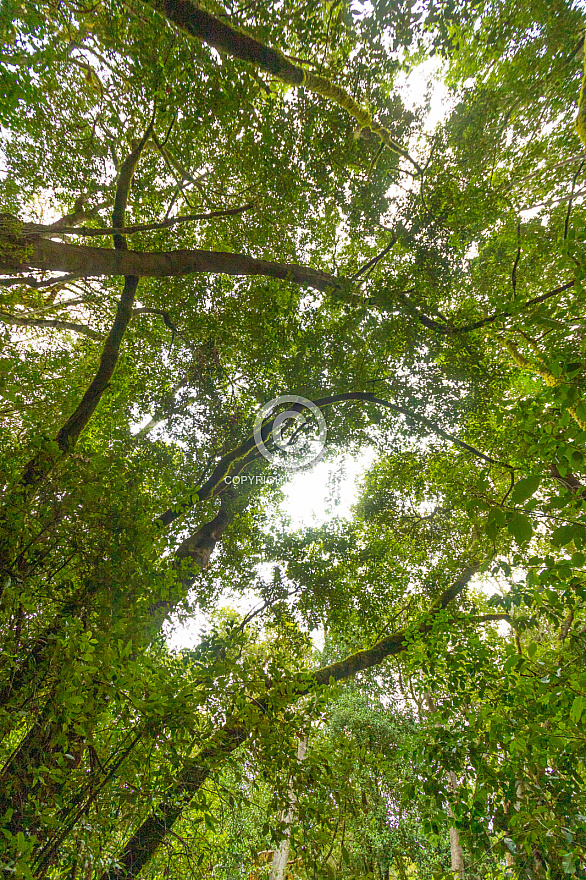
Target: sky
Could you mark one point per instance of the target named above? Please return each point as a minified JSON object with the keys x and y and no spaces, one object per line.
{"x":312,"y":498}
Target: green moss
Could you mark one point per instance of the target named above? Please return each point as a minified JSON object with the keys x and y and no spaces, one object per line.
{"x":581,"y":117}
{"x":14,"y":249}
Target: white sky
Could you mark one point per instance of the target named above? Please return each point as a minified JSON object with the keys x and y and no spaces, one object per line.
{"x":328,"y":490}
{"x":312,"y":497}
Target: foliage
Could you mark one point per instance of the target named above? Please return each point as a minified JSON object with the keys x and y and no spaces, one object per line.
{"x":426,"y":283}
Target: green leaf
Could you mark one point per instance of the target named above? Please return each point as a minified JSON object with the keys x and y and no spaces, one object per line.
{"x":520,"y":528}
{"x":525,"y":488}
{"x":563,"y":535}
{"x":494,"y":522}
{"x":581,"y":411}
{"x":577,"y":709}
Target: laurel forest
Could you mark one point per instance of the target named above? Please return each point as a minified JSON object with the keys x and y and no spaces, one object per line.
{"x":230,"y":230}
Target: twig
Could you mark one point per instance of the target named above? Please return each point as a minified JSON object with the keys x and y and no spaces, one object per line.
{"x":141,"y":227}
{"x":570,"y":203}
{"x":447,"y":329}
{"x":37,"y":285}
{"x":372,"y":263}
{"x":517,"y":258}
{"x":49,"y":322}
{"x":164,"y":315}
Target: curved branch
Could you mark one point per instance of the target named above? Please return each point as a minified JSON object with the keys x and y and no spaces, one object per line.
{"x":449,"y":329}
{"x":161,"y":313}
{"x":148,"y":837}
{"x":232,"y":463}
{"x":69,"y":433}
{"x":49,"y":322}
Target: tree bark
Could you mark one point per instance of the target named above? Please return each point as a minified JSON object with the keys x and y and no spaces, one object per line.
{"x":36,"y":252}
{"x":21,"y":321}
{"x":45,"y":460}
{"x":224,"y":38}
{"x":148,"y":837}
{"x":281,"y":855}
{"x":247,"y":450}
{"x":456,"y":851}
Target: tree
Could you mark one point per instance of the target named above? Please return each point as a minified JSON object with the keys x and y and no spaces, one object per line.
{"x":280,"y":223}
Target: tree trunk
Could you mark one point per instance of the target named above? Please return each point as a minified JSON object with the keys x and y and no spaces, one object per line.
{"x":456,"y":851}
{"x":281,"y":856}
{"x":147,"y":839}
{"x":44,"y":461}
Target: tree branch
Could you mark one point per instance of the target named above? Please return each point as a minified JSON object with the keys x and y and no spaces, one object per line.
{"x":78,"y":215}
{"x":516,"y":263}
{"x":162,"y":314}
{"x":146,"y":840}
{"x":48,"y":255}
{"x":570,"y":481}
{"x":141,"y":227}
{"x":46,"y":459}
{"x":69,"y":433}
{"x":200,"y":24}
{"x":30,"y":281}
{"x":49,"y":322}
{"x":450,"y":329}
{"x":372,"y":263}
{"x":247,"y":451}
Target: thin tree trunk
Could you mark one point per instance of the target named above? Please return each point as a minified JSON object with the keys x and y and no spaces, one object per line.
{"x":281,"y":855}
{"x":456,"y":851}
{"x":45,"y":460}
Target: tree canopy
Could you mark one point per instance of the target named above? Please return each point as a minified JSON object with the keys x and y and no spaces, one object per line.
{"x":217,"y":220}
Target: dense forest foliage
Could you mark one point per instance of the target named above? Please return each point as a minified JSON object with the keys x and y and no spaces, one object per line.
{"x":208,"y":207}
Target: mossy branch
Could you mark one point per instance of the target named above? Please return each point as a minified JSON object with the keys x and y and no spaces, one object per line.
{"x":235,"y":42}
{"x":581,"y":117}
{"x":545,"y":373}
{"x":14,"y":249}
{"x":146,"y":840}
